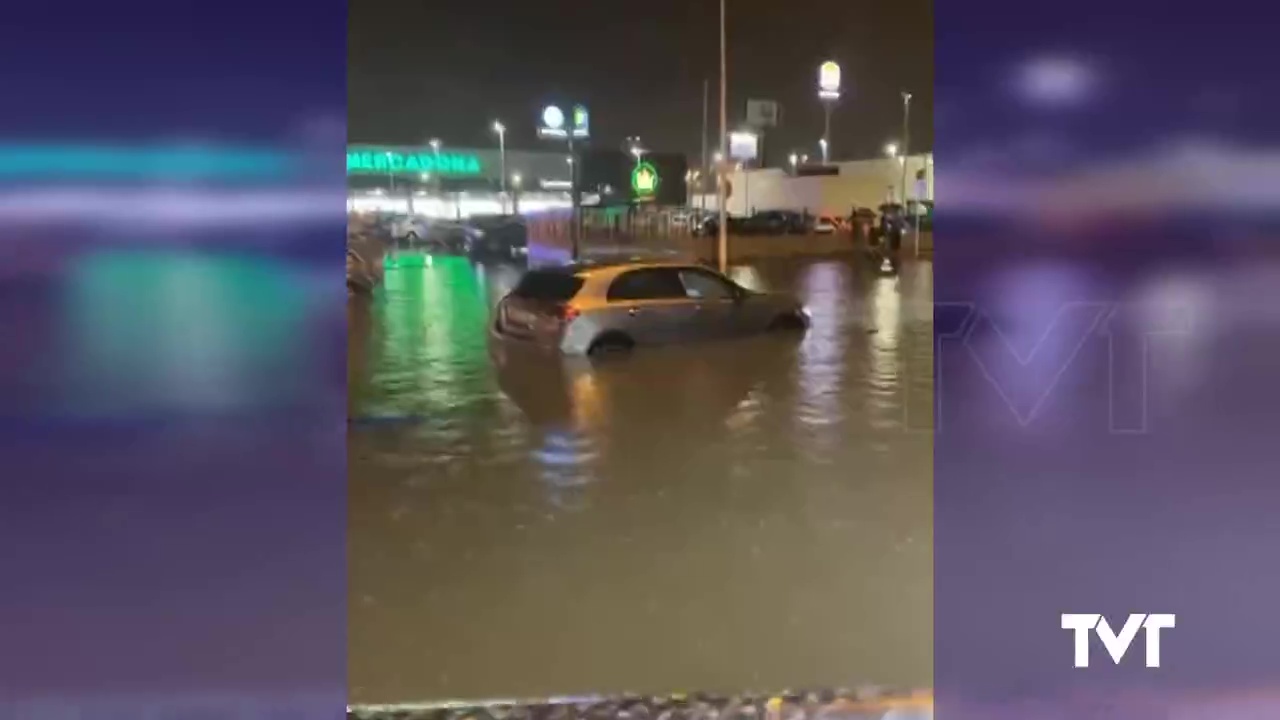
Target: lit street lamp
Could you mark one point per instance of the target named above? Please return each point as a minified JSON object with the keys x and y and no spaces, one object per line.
{"x":501,"y":129}
{"x":891,"y":149}
{"x":635,"y":148}
{"x":793,"y":159}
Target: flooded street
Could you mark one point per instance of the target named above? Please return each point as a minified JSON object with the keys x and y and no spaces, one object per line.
{"x":720,"y":516}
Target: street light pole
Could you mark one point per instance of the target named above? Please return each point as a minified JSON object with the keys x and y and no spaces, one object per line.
{"x":826,"y":130}
{"x":906,"y":143}
{"x":722,"y":227}
{"x":501,"y":129}
{"x":703,"y":168}
{"x":575,"y":202}
{"x":906,"y":149}
{"x":435,"y":149}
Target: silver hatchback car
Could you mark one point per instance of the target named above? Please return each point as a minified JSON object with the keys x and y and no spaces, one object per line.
{"x":591,"y":309}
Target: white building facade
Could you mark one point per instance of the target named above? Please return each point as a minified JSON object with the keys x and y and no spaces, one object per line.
{"x":859,"y":183}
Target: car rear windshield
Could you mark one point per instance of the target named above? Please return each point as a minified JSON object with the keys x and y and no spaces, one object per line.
{"x":547,"y":286}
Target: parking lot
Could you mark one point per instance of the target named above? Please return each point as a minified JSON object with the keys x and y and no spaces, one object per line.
{"x":746,"y":513}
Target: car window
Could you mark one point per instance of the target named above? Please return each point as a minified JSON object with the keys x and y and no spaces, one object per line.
{"x":647,"y":284}
{"x":547,"y":286}
{"x":702,"y":285}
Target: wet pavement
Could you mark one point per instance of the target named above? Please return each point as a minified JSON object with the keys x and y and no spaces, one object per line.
{"x":717,"y":517}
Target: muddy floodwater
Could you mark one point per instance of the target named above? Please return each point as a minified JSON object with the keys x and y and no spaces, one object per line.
{"x":721,"y":516}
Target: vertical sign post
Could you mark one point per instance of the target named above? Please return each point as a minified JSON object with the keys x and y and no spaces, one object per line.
{"x":828,"y":94}
{"x":553,"y":126}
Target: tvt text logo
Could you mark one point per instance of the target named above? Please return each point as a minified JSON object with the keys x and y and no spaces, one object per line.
{"x":1117,"y":645}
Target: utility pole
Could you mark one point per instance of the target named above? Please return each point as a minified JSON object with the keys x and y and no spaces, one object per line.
{"x":906,"y":150}
{"x":724,"y":151}
{"x":575,"y":202}
{"x":705,"y":92}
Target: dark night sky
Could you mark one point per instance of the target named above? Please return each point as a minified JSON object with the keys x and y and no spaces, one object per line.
{"x":447,"y":68}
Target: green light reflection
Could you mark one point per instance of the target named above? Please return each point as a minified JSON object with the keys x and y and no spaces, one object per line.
{"x":428,"y":339}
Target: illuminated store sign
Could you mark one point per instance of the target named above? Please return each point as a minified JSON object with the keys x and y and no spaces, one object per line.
{"x":829,"y":80}
{"x":644,"y":180}
{"x":377,"y":162}
{"x":552,"y":123}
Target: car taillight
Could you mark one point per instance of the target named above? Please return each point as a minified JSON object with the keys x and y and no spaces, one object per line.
{"x":566,"y":313}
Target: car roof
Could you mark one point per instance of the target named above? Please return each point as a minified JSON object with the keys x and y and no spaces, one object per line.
{"x":613,"y":267}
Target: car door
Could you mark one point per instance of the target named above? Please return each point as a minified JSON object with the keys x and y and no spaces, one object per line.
{"x":651,"y":306}
{"x":717,"y":302}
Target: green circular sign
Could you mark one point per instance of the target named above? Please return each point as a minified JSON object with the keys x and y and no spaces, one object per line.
{"x":644,"y":180}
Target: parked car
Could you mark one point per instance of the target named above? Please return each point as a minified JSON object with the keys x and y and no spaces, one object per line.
{"x":827,"y":224}
{"x":449,"y":236}
{"x":766,"y":222}
{"x":594,"y":309}
{"x":491,"y":236}
{"x":409,"y":228}
{"x":711,"y":225}
{"x":691,"y":219}
{"x":776,"y":222}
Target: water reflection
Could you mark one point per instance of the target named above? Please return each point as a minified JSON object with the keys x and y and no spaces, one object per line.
{"x":155,"y":332}
{"x":644,"y":521}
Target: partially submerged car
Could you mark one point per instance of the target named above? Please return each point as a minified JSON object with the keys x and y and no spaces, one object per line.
{"x":596,"y":309}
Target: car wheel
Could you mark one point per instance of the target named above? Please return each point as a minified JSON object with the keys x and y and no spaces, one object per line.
{"x":611,"y":343}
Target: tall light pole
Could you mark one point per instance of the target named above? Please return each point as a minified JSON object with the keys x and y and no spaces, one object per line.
{"x":501,"y":129}
{"x":515,"y":196}
{"x":822,"y":145}
{"x":906,"y":147}
{"x":906,"y":143}
{"x":702,"y":194}
{"x":722,"y":226}
{"x":891,"y":152}
{"x":435,"y":150}
{"x":828,"y":94}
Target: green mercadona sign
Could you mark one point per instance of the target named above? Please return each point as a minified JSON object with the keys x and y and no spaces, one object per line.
{"x":384,"y":162}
